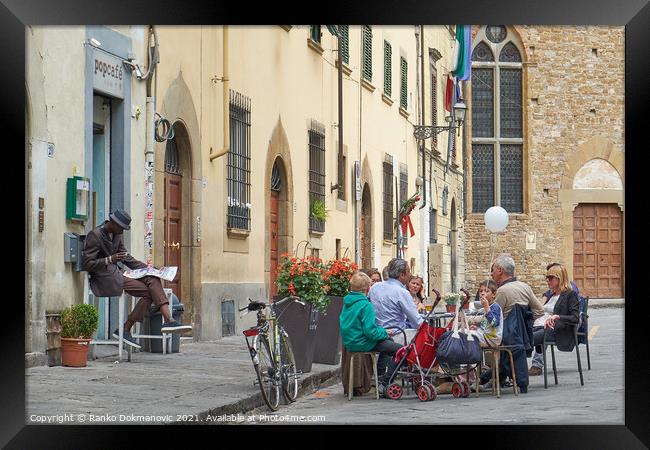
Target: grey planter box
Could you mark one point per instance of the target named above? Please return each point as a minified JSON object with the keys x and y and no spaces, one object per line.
{"x":300,"y":323}
{"x":328,"y":334}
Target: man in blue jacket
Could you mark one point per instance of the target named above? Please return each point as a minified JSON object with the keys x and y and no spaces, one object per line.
{"x":359,"y":332}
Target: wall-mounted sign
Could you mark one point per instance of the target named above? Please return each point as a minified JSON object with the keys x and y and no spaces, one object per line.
{"x":357,"y":179}
{"x":531,"y":241}
{"x":108,"y":74}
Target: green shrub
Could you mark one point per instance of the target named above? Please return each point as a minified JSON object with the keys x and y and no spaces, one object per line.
{"x":79,"y":321}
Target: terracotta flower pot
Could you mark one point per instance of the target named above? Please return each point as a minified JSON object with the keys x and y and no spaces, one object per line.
{"x":451,"y":308}
{"x":74,"y":352}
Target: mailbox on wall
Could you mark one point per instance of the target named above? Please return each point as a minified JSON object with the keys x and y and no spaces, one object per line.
{"x":77,"y":198}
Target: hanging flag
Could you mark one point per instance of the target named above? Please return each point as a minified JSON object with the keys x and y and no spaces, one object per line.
{"x":467,"y":37}
{"x":462,"y":53}
{"x":449,"y":92}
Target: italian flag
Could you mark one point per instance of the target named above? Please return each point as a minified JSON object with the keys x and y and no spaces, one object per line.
{"x":461,"y":58}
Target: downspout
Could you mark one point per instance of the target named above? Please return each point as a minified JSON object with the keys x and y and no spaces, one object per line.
{"x":149,"y":145}
{"x":226,"y":87}
{"x":464,"y":161}
{"x":422,"y":146}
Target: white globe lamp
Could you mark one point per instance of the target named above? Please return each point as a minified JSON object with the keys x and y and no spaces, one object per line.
{"x":496,"y":219}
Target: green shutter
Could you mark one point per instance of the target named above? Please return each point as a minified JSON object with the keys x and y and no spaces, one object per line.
{"x":367,"y":52}
{"x":387,"y":69}
{"x":403,"y":98}
{"x":314,"y":33}
{"x":345,"y":43}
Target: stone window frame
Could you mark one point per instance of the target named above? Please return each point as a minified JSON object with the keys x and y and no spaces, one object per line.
{"x":513,"y":37}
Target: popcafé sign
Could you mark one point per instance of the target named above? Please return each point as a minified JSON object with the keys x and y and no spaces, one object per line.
{"x":108,"y":74}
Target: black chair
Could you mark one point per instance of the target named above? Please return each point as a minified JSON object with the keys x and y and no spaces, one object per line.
{"x":583,"y":327}
{"x":551,"y":343}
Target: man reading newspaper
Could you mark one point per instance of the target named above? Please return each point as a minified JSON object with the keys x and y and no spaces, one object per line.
{"x":103,"y":249}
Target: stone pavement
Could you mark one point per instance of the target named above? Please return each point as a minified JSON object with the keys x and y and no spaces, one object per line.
{"x":206,"y":378}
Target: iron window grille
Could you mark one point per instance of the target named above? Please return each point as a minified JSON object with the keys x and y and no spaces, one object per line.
{"x":367,"y":53}
{"x":172,"y":161}
{"x":403,"y":97}
{"x":388,"y":199}
{"x":497,"y":122}
{"x":342,"y":164}
{"x":434,"y":106}
{"x":388,"y":51}
{"x":316,"y":172}
{"x":239,"y":162}
{"x":314,"y":33}
{"x":433,"y":226}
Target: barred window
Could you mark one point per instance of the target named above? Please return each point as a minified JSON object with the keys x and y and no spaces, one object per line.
{"x":403,"y":193}
{"x":388,"y":200}
{"x":433,"y":226}
{"x":314,"y":33}
{"x":497,"y":121}
{"x":316,"y":173}
{"x":403,"y":96}
{"x":345,"y":43}
{"x":388,"y":54}
{"x":239,"y":162}
{"x":434,"y":105}
{"x":367,"y":53}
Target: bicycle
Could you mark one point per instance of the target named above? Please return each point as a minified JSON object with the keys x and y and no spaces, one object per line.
{"x":270,"y":349}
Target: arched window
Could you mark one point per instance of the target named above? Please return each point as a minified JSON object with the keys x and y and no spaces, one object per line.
{"x":497,"y":131}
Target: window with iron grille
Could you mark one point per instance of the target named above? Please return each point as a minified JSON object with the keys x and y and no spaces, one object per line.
{"x":388,"y":199}
{"x":314,"y":33}
{"x":387,"y":69}
{"x":403,"y":194}
{"x":497,"y":125}
{"x":345,"y":43}
{"x":434,"y":105}
{"x":367,"y":52}
{"x":403,"y":94}
{"x":316,"y":172}
{"x":239,"y":162}
{"x":433,"y":226}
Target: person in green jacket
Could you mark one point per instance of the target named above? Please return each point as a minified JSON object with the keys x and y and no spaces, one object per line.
{"x":359,"y":331}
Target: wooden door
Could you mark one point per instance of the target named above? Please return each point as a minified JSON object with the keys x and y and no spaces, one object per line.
{"x":173,"y":201}
{"x":597,"y":250}
{"x":275,"y":199}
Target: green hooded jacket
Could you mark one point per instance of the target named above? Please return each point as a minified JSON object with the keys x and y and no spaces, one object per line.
{"x":358,"y":329}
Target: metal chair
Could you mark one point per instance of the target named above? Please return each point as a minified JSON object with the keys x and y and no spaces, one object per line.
{"x":552,"y":344}
{"x":583,"y":326}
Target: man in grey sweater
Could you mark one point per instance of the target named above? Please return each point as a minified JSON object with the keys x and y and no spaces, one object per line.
{"x":511,"y":291}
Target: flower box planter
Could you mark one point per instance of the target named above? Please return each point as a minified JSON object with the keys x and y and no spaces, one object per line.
{"x":328,"y":334}
{"x":300,"y":323}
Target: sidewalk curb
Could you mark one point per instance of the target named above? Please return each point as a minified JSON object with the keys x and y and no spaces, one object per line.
{"x":307,"y":385}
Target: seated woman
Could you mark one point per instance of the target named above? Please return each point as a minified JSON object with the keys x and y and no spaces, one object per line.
{"x":359,"y":331}
{"x":375,"y":276}
{"x":415,"y":286}
{"x":489,"y":327}
{"x":562,"y":313}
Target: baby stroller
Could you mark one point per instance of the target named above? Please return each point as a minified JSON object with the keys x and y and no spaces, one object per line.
{"x":417,"y":363}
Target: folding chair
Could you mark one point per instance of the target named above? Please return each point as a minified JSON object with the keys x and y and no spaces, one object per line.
{"x":549,"y":343}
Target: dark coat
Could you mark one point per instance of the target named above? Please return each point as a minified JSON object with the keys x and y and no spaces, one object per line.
{"x":106,"y":279}
{"x":517,"y":332}
{"x":568,"y":308}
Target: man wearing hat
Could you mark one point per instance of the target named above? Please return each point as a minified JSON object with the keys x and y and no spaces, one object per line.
{"x":103,"y":249}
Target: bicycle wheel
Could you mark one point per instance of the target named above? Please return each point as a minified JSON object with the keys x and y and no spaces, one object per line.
{"x":266,"y":373}
{"x":288,"y":372}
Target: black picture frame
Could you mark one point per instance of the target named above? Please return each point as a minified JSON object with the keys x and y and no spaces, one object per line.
{"x":633,"y":14}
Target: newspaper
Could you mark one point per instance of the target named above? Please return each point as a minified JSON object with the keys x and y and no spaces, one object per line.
{"x":166,"y":273}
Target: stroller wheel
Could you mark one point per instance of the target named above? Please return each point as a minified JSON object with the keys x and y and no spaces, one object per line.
{"x":432,"y":390}
{"x":394,"y":391}
{"x":424,"y":393}
{"x":465,"y":388}
{"x":457,"y":390}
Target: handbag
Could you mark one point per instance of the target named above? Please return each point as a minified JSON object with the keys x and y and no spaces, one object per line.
{"x":459,"y":347}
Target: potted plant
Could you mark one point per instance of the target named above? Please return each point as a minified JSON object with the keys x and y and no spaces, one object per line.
{"x":451,"y":300}
{"x":78,"y":323}
{"x":319,"y":210}
{"x":328,"y":334}
{"x":301,"y":277}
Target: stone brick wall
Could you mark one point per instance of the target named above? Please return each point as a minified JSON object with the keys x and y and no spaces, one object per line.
{"x":573,"y":92}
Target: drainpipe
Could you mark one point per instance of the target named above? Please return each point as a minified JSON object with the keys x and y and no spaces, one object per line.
{"x":226,"y":86}
{"x":422,"y":146}
{"x":149,"y":149}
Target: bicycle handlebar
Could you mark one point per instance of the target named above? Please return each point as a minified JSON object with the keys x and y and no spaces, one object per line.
{"x":254,"y":305}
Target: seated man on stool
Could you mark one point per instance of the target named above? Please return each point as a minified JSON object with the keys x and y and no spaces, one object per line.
{"x":103,"y":249}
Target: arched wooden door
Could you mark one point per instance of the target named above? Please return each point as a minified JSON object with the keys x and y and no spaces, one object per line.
{"x":173,"y":213}
{"x":597,"y":250}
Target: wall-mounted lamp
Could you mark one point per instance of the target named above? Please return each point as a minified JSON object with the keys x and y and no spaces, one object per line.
{"x":94,"y":42}
{"x":335,"y":187}
{"x":428,"y":131}
{"x":133,"y":67}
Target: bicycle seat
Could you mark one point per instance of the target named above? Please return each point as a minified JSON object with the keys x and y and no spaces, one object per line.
{"x":256,"y":306}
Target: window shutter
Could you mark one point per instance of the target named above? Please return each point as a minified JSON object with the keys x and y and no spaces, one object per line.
{"x":387,"y":69}
{"x":403,"y":98}
{"x":367,"y":52}
{"x":345,"y":43}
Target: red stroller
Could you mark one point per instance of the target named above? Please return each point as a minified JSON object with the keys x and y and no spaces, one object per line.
{"x":417,"y":362}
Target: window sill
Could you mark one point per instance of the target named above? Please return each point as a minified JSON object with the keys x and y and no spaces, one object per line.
{"x":386,"y":99}
{"x":316,"y":233}
{"x":366,"y":84}
{"x":403,"y":112}
{"x":237,"y":233}
{"x":518,"y":216}
{"x":388,"y":243}
{"x":346,"y":69}
{"x":286,"y":27}
{"x":315,"y":46}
